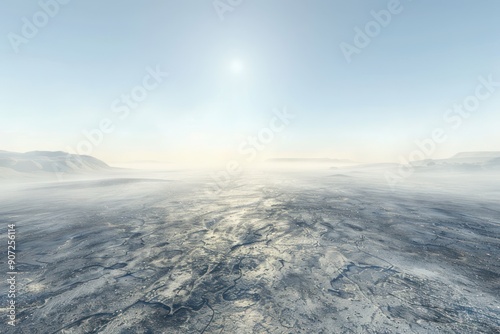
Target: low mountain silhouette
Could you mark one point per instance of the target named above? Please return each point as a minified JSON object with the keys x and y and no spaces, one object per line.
{"x":49,"y":162}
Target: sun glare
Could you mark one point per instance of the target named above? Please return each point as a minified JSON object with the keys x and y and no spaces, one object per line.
{"x":236,"y":66}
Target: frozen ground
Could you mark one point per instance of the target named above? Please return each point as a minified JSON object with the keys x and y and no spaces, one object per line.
{"x":275,"y":252}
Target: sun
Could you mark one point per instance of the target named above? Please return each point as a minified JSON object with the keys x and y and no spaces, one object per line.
{"x":236,"y":66}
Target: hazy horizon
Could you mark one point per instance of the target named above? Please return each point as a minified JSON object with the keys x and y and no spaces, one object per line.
{"x":332,"y":161}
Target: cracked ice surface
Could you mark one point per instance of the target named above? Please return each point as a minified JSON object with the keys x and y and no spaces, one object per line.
{"x":273,"y":253}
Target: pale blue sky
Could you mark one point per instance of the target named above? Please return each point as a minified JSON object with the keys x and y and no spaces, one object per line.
{"x":64,"y":79}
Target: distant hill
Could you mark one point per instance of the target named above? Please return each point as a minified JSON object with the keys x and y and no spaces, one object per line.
{"x":44,"y":162}
{"x":486,"y":154}
{"x":464,"y":161}
{"x":473,"y":157}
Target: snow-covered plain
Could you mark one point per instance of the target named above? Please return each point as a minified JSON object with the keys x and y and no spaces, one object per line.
{"x":277,"y":251}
